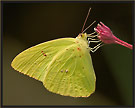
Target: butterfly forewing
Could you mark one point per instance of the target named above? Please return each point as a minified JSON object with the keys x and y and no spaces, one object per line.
{"x":34,"y":61}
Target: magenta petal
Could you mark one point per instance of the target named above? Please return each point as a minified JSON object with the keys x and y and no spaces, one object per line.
{"x":96,"y":30}
{"x":105,"y":26}
{"x":101,"y":27}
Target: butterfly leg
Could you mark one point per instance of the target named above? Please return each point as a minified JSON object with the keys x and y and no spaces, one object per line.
{"x":94,"y":41}
{"x":96,"y":47}
{"x":91,"y":39}
{"x":92,"y":36}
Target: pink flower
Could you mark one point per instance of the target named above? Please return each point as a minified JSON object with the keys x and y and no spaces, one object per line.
{"x":107,"y":37}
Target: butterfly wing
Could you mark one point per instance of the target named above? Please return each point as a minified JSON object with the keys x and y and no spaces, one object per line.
{"x":34,"y":61}
{"x":71,"y":73}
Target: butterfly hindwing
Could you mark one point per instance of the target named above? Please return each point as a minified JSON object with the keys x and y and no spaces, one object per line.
{"x":71,"y":73}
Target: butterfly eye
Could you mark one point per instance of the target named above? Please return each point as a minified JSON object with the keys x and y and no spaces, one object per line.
{"x":80,"y":34}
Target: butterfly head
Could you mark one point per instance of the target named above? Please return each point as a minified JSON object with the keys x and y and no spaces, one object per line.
{"x":82,"y":36}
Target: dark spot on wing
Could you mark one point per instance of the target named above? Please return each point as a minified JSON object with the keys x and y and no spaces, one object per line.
{"x":78,"y":49}
{"x":66,"y":71}
{"x":43,"y":53}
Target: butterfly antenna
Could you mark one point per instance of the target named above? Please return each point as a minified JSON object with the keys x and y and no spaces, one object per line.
{"x":89,"y":26}
{"x":86,"y":19}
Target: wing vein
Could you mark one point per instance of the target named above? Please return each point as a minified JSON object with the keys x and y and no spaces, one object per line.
{"x":59,"y":70}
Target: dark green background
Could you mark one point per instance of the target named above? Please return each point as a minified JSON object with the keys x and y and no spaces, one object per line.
{"x":28,"y":24}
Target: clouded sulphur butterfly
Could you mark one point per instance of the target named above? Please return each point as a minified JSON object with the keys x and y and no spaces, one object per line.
{"x":64,"y":65}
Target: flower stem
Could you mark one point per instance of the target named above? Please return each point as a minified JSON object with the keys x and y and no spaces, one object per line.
{"x":118,"y":41}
